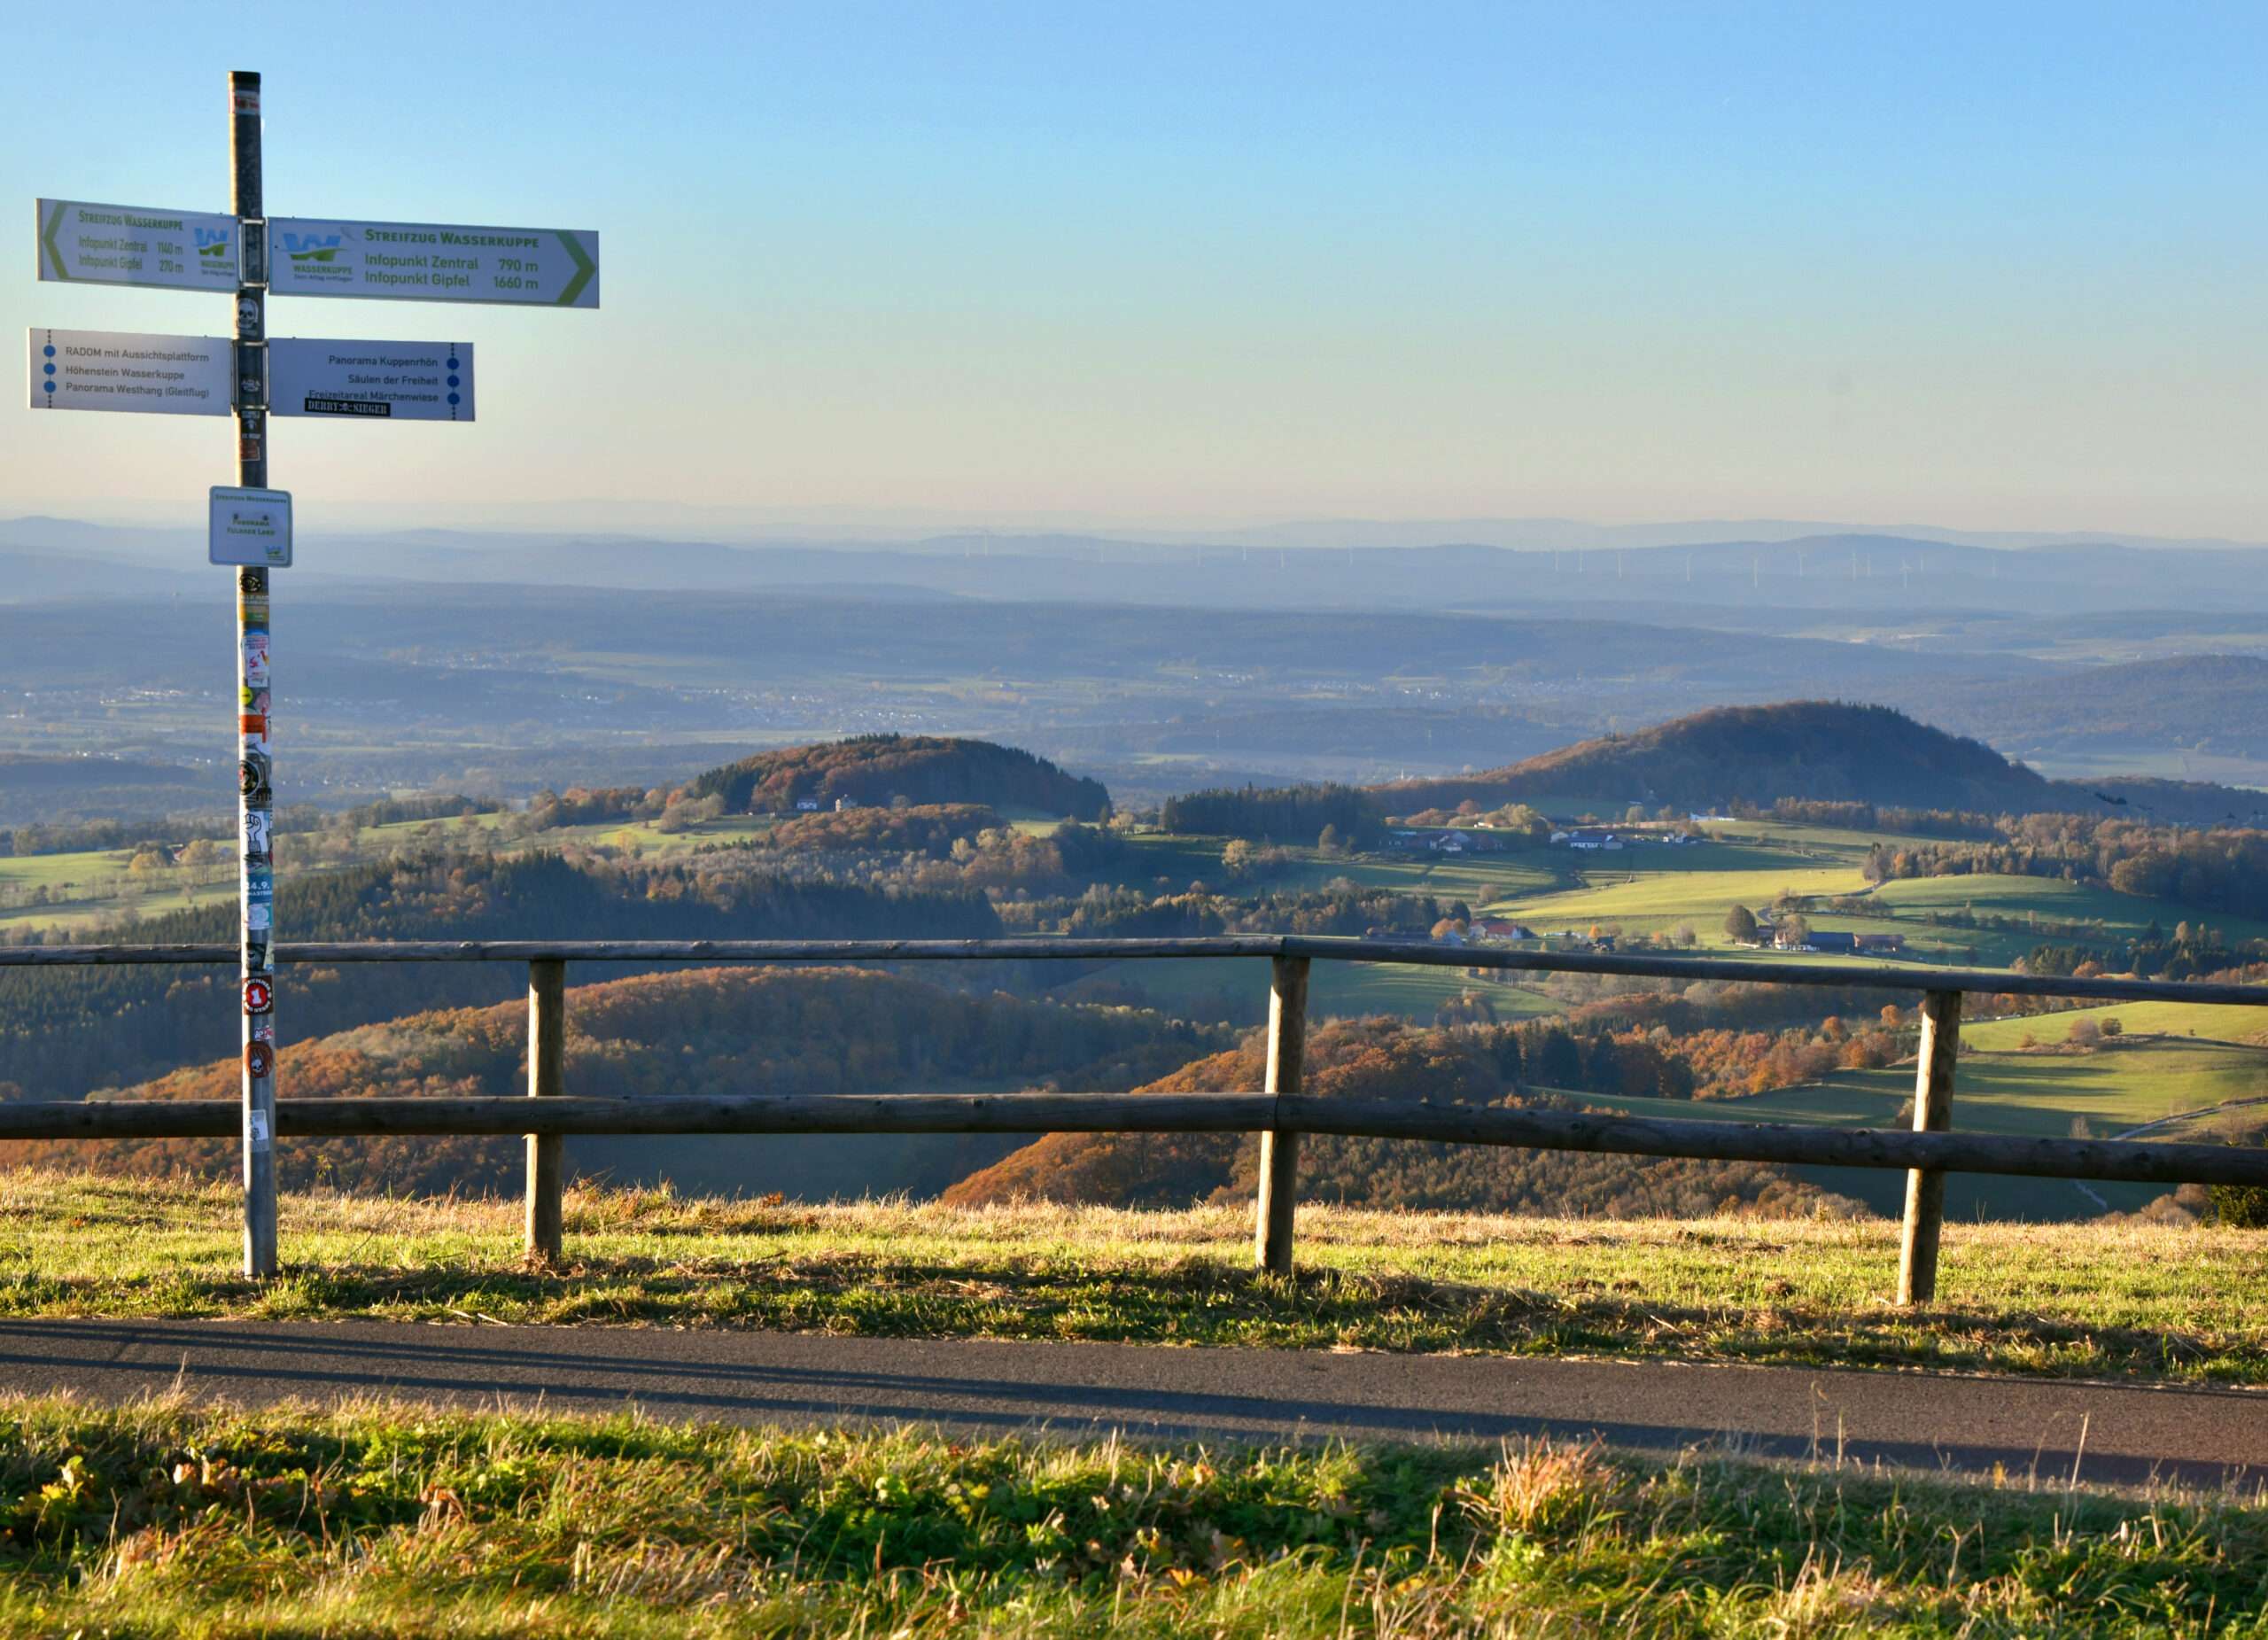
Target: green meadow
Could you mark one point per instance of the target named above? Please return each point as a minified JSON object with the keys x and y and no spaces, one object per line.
{"x":1656,"y":900}
{"x":2155,"y":1071}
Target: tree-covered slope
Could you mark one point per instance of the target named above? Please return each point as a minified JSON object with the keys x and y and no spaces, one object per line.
{"x":657,"y":1035}
{"x":1758,"y":754}
{"x":1819,"y":750}
{"x":920,"y":769}
{"x":1376,"y":1059}
{"x":66,"y":1030}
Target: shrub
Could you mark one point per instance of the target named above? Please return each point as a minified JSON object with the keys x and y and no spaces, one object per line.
{"x":2240,"y":1207}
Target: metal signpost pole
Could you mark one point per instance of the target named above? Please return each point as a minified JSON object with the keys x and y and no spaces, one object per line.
{"x":249,"y":525}
{"x":256,"y":805}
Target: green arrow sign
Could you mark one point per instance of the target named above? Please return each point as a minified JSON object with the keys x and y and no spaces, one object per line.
{"x":136,"y":245}
{"x":433,"y":262}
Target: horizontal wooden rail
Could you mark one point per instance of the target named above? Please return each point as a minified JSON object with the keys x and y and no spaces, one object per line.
{"x":2141,"y":1161}
{"x":1914,"y":976}
{"x":750,"y":1112}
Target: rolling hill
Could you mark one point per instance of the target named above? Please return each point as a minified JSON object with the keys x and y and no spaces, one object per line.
{"x":66,"y":1031}
{"x":1378,"y":1058}
{"x":921,"y":769}
{"x":705,"y":1031}
{"x":1830,"y":750}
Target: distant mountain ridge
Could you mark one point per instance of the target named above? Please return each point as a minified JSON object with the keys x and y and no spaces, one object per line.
{"x":2211,"y":703}
{"x":1451,"y":565}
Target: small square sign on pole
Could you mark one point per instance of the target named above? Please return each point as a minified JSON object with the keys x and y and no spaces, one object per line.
{"x":252,"y":527}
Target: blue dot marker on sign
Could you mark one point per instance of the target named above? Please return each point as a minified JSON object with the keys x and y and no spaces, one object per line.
{"x":453,"y":381}
{"x":49,"y":386}
{"x":49,"y":368}
{"x":453,"y":364}
{"x":49,"y":350}
{"x":453,"y":398}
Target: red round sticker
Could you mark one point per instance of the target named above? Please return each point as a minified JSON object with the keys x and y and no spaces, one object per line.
{"x":260,"y":996}
{"x":260,"y":1058}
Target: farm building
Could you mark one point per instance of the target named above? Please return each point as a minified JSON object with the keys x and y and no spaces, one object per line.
{"x":1839,"y":943}
{"x":1502,"y":928}
{"x":1447,"y":840}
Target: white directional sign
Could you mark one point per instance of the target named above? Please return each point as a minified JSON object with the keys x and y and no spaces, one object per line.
{"x":129,"y":370}
{"x":130,"y":245}
{"x":370,"y":381}
{"x":429,"y":262}
{"x":250,"y":527}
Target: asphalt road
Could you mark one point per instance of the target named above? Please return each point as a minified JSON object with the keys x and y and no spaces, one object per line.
{"x":2055,"y":1431}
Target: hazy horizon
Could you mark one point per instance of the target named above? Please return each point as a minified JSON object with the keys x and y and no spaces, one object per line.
{"x":665,"y":523}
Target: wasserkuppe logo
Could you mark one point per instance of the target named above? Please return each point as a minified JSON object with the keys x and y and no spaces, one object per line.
{"x":213,"y":241}
{"x":316,"y":249}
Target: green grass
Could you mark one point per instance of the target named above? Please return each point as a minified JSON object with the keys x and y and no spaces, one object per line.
{"x":1354,"y":989}
{"x":2051,"y":900}
{"x":386,"y":1519}
{"x":1202,"y":988}
{"x":88,"y":888}
{"x":2136,"y":1301}
{"x":1652,"y":890}
{"x":1180,"y":858}
{"x":2157,"y":1069}
{"x":2205,"y":1022}
{"x":1653,"y":900}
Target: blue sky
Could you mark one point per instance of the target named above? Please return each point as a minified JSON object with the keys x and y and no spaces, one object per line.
{"x":1982,"y":266}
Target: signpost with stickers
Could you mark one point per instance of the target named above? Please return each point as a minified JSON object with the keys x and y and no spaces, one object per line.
{"x":247,"y":255}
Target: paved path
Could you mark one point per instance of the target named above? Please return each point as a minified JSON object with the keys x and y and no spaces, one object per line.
{"x":2106,"y":1433}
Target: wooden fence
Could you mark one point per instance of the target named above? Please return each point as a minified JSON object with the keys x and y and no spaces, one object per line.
{"x":1280,"y":1113}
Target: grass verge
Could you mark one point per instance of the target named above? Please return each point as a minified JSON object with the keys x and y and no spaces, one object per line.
{"x":2137,"y":1302}
{"x":163,"y":1519}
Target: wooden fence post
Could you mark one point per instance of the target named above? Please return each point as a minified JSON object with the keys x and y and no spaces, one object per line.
{"x":547,"y":1076}
{"x":1279,"y":1152}
{"x":1926,"y":1192}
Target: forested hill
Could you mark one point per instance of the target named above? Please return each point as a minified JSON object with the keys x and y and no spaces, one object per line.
{"x":1829,"y":751}
{"x":1379,"y":1059}
{"x":66,"y":1030}
{"x":1817,"y":749}
{"x":1757,"y":754}
{"x":922,"y":769}
{"x":697,"y":1031}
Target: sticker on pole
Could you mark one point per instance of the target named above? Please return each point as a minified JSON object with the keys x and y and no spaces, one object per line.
{"x":260,"y":996}
{"x":259,"y":1059}
{"x":130,"y":370}
{"x":433,"y":262}
{"x":86,"y":243}
{"x":370,"y":381}
{"x":252,"y":527}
